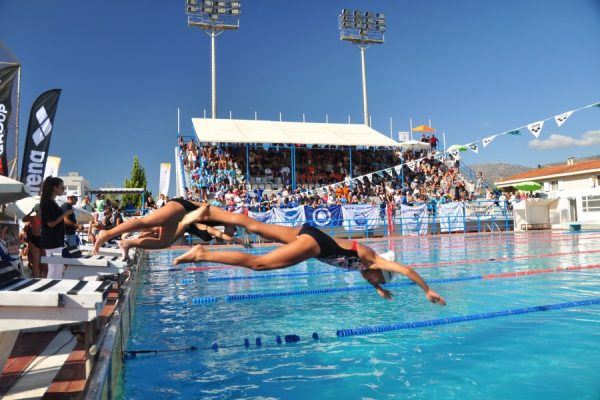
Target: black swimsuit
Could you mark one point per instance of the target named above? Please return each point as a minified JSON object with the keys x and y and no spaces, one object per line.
{"x":331,"y":253}
{"x":201,"y":233}
{"x":188,"y":205}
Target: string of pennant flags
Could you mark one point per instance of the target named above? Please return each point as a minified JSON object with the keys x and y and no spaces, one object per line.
{"x":535,"y":128}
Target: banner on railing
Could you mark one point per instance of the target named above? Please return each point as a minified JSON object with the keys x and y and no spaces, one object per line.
{"x":324,"y":216}
{"x":478,"y":211}
{"x":451,"y":217}
{"x":354,"y":217}
{"x":360,"y":217}
{"x":414,"y":220}
{"x":288,"y":216}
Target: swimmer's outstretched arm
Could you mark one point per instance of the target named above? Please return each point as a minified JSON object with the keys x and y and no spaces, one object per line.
{"x":379,"y":262}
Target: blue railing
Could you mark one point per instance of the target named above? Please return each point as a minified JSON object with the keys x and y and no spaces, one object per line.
{"x":476,"y":216}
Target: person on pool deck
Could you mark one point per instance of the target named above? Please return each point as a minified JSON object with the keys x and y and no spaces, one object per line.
{"x":300,"y":244}
{"x":166,"y":221}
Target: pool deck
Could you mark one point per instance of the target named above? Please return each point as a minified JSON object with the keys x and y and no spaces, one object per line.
{"x":59,"y":362}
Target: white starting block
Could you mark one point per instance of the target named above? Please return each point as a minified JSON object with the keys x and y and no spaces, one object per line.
{"x":114,"y":251}
{"x":32,"y":302}
{"x":87,"y":267}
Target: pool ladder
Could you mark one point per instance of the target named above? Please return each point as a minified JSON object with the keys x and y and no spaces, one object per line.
{"x":491,"y":227}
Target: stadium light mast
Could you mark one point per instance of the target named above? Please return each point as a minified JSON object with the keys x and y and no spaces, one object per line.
{"x":214,"y":17}
{"x":363,"y":29}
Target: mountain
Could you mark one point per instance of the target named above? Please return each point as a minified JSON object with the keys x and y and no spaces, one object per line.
{"x":493,"y":172}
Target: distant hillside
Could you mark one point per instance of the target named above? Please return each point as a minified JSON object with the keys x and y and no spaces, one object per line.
{"x":596,"y":157}
{"x":495,"y":172}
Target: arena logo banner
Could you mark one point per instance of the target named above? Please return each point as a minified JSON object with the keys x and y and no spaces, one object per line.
{"x":39,"y":133}
{"x":324,"y":216}
{"x":7,"y":79}
{"x":359,"y":217}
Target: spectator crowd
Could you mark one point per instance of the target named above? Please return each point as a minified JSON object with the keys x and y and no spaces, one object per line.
{"x":216,"y":173}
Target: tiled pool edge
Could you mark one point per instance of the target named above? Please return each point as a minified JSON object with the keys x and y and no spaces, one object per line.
{"x":105,"y":380}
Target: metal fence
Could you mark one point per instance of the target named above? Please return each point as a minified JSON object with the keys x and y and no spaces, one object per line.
{"x":475,"y":216}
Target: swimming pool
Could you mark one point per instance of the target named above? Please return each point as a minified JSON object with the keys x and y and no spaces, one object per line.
{"x":537,"y":355}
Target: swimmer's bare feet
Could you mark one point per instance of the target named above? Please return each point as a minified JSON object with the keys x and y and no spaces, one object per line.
{"x":198,"y":215}
{"x":124,"y":246}
{"x":195,"y":254}
{"x":100,"y":240}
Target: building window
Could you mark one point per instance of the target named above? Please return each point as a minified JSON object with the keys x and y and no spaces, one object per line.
{"x":553,"y":185}
{"x":591,"y":203}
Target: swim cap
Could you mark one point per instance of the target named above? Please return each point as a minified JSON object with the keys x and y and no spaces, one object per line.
{"x":387,"y":276}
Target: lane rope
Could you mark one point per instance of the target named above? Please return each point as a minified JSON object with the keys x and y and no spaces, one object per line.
{"x":258,"y":296}
{"x":367,"y":330}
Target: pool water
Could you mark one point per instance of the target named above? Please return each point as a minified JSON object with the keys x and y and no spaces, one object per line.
{"x":541,"y":355}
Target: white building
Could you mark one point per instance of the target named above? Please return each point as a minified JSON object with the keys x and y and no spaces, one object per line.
{"x":76,"y":184}
{"x":575,"y":184}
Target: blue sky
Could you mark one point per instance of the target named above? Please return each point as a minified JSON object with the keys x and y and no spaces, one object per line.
{"x":474,"y":67}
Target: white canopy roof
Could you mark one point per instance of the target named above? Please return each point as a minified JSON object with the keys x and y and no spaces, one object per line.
{"x":251,"y":131}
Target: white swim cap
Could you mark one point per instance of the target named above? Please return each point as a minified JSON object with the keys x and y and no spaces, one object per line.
{"x":387,"y":275}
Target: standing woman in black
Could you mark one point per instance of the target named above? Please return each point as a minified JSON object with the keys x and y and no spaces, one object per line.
{"x":53,"y":226}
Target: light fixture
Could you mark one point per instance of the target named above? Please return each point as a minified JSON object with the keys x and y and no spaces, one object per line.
{"x":362,"y":29}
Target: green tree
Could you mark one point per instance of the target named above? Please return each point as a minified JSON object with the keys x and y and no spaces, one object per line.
{"x":136,"y":180}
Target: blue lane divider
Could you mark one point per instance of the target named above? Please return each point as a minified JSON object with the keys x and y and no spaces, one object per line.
{"x":204,"y":300}
{"x":132,"y":354}
{"x":269,"y":276}
{"x":366,"y":330}
{"x":255,"y":296}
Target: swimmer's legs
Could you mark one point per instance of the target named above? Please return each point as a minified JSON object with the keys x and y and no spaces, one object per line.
{"x":277,"y":233}
{"x":291,"y":254}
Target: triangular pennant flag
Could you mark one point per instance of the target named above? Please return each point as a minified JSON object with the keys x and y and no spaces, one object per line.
{"x":411,"y":165}
{"x":454,"y":153}
{"x":379,"y":173}
{"x":536,"y":128}
{"x":473,"y":147}
{"x":560,"y":119}
{"x":389,"y":171}
{"x":514,"y":132}
{"x":370,"y":177}
{"x":488,"y":140}
{"x":398,"y":168}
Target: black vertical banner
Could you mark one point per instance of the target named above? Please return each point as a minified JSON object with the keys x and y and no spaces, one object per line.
{"x":7,"y":78}
{"x":39,"y":133}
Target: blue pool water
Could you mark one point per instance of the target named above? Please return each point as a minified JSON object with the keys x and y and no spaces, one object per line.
{"x":542,"y":355}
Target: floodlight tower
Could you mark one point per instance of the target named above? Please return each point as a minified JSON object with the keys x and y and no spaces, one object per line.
{"x":362,"y":29}
{"x":214,"y":17}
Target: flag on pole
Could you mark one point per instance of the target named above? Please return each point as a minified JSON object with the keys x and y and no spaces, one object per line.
{"x":37,"y":142}
{"x":165,"y":177}
{"x":562,"y":118}
{"x":536,"y":128}
{"x":52,"y":166}
{"x":7,"y":78}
